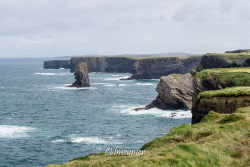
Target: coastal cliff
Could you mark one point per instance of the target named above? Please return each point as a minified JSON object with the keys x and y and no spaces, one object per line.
{"x":153,"y":68}
{"x":219,"y":90}
{"x":56,"y":64}
{"x":175,"y":91}
{"x":104,"y":64}
{"x":237,"y":58}
{"x":140,"y":67}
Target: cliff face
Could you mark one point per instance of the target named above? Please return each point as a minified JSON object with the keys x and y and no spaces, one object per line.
{"x":237,"y":58}
{"x":174,"y":92}
{"x":81,"y":76}
{"x":224,"y":82}
{"x":56,"y":64}
{"x":104,"y":64}
{"x":222,"y":103}
{"x":153,"y":68}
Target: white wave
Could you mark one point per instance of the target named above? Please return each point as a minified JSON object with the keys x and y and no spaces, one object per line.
{"x":65,"y":87}
{"x":58,"y":141}
{"x":175,"y":114}
{"x":101,"y":83}
{"x":145,"y":84}
{"x":61,"y":68}
{"x":51,"y":74}
{"x":88,"y":140}
{"x":9,"y":131}
{"x":116,"y":78}
{"x":2,"y":87}
{"x":111,"y":85}
{"x":115,"y":75}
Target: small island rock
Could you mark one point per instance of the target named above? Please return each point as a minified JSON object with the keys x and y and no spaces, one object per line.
{"x":81,"y":76}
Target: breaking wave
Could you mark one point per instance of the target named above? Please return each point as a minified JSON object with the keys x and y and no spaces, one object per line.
{"x":9,"y":131}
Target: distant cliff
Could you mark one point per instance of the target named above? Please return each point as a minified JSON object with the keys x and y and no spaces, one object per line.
{"x":56,"y":64}
{"x":152,"y":68}
{"x":140,"y":67}
{"x":104,"y":64}
{"x":237,"y":58}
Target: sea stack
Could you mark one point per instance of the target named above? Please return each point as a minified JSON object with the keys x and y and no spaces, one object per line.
{"x":81,"y":76}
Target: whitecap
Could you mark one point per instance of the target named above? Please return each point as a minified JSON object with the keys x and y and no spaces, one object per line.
{"x":111,"y":85}
{"x":9,"y":131}
{"x":58,"y":141}
{"x":175,"y":114}
{"x":116,"y":78}
{"x":101,"y":83}
{"x":88,"y":140}
{"x":145,"y":84}
{"x":66,"y":87}
{"x":51,"y":74}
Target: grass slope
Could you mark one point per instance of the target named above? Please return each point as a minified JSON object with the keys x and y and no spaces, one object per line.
{"x":233,"y":91}
{"x":227,"y":76}
{"x":220,"y":140}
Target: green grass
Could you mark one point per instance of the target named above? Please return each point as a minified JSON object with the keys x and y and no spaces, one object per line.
{"x":220,"y":140}
{"x":227,"y":76}
{"x":232,"y":91}
{"x":230,"y":55}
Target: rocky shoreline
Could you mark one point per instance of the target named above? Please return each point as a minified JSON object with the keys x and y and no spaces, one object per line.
{"x":218,"y":93}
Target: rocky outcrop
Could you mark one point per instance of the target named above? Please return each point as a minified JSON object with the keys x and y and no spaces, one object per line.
{"x":81,"y":76}
{"x":174,"y":92}
{"x":104,"y":64}
{"x":56,"y":64}
{"x":218,"y":103}
{"x":210,"y":81}
{"x":237,"y":58}
{"x":153,"y":68}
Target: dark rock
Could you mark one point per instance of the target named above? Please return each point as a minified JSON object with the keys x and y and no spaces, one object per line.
{"x":104,"y":64}
{"x":220,"y":104}
{"x":174,"y":92}
{"x":56,"y":64}
{"x":154,"y":68}
{"x":81,"y":76}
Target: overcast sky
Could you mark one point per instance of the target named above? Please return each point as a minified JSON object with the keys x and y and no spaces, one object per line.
{"x":43,"y":28}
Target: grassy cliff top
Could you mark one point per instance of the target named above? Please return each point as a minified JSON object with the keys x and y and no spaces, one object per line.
{"x":220,"y":140}
{"x":239,"y":51}
{"x":231,"y":56}
{"x":227,"y":76}
{"x":233,"y":91}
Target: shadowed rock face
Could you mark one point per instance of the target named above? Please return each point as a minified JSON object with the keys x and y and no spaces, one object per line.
{"x":218,"y":104}
{"x":155,"y":68}
{"x":56,"y":64}
{"x":174,"y":92}
{"x":81,"y":76}
{"x":104,"y":64}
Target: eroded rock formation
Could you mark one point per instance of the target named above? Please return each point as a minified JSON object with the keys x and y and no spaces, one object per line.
{"x":81,"y":76}
{"x":174,"y":92}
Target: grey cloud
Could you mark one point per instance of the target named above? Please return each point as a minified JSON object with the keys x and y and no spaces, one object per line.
{"x":70,"y":27}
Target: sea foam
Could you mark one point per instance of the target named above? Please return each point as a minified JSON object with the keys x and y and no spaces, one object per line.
{"x":175,"y":114}
{"x":51,"y":74}
{"x":9,"y":131}
{"x":66,"y":87}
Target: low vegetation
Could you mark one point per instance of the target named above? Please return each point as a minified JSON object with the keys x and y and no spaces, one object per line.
{"x":227,"y":76}
{"x":232,"y":91}
{"x":220,"y":140}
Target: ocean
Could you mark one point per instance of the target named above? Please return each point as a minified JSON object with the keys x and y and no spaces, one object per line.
{"x":42,"y":121}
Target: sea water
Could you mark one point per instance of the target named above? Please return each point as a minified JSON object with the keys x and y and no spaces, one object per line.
{"x":42,"y":121}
